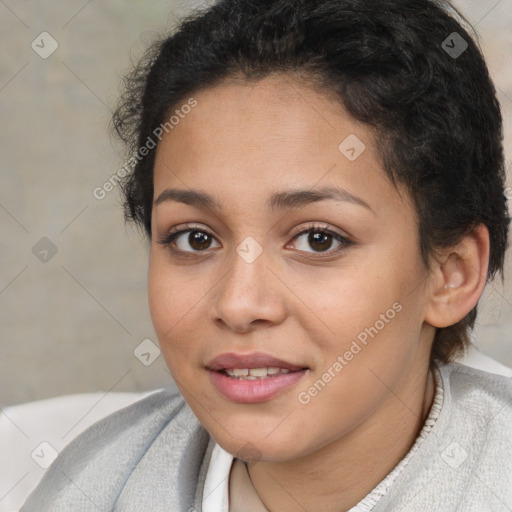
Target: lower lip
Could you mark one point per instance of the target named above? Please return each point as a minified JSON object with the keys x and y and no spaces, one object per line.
{"x":249,"y":391}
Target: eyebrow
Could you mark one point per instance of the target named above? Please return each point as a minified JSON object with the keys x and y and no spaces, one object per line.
{"x":278,"y":201}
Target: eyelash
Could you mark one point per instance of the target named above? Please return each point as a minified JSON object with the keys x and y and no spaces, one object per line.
{"x":345,"y":242}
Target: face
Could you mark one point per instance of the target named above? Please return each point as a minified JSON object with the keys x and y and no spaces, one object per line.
{"x":303,"y":259}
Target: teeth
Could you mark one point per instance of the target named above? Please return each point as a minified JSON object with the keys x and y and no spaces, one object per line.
{"x":258,"y":372}
{"x":255,"y":373}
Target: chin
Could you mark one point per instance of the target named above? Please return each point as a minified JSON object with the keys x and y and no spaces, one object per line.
{"x":255,"y":445}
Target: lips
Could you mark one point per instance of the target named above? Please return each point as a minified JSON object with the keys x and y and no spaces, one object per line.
{"x":231,"y":360}
{"x":254,"y":377}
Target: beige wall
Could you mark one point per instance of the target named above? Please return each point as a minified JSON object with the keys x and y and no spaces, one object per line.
{"x":71,"y":324}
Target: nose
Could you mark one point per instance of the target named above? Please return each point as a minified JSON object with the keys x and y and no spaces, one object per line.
{"x":249,"y":295}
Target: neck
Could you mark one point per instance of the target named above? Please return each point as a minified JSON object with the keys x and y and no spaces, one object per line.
{"x":341,"y":474}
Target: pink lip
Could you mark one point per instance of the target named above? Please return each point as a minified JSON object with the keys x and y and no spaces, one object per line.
{"x":230,"y":360}
{"x":250,"y":391}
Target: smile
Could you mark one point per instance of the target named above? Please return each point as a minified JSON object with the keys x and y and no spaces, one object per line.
{"x":255,"y":373}
{"x":252,"y":377}
{"x":250,"y":389}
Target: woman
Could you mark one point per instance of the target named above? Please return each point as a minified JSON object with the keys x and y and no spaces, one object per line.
{"x":323,"y":186}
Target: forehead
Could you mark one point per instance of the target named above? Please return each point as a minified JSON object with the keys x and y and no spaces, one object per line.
{"x":278,"y":111}
{"x":259,"y":137}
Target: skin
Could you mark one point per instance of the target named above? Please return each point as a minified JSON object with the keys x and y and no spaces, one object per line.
{"x":242,"y":143}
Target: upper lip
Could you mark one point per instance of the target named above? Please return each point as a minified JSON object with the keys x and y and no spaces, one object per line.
{"x":231,"y":360}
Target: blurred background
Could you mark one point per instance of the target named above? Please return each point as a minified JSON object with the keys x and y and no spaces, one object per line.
{"x":73,"y":303}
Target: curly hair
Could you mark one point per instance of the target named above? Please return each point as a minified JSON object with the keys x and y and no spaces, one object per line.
{"x":435,"y":114}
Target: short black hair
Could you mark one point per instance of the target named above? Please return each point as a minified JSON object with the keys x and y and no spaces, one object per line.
{"x":408,"y":69}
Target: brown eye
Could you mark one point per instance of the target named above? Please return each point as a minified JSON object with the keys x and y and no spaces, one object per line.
{"x":321,"y":240}
{"x":198,"y":240}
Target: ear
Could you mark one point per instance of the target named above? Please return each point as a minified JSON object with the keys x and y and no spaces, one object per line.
{"x":458,"y":278}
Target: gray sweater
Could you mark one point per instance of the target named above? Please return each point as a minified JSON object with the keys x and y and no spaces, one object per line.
{"x":154,"y":456}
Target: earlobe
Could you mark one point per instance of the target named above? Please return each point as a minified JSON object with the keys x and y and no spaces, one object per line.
{"x":458,"y":279}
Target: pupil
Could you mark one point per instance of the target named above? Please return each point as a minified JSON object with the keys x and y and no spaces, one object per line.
{"x":198,"y":237}
{"x":315,"y":238}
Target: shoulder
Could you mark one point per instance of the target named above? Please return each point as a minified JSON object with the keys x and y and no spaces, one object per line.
{"x":145,"y":417}
{"x":465,"y":460}
{"x":476,"y":434}
{"x":486,"y":392}
{"x":479,"y":402}
{"x":477,"y":446}
{"x":96,"y":464}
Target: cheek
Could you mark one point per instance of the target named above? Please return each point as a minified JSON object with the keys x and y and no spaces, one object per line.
{"x":167,"y":304}
{"x":158,"y":295}
{"x":350,"y":299}
{"x":372,"y":312}
{"x":175,"y":303}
